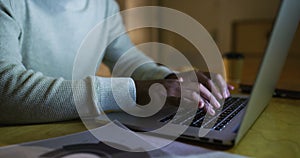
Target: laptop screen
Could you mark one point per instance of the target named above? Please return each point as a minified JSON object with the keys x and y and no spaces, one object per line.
{"x":281,"y":38}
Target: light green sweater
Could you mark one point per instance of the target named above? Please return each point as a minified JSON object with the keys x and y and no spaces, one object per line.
{"x":39,"y":40}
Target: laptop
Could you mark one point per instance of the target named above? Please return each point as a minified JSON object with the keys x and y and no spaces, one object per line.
{"x":238,"y":113}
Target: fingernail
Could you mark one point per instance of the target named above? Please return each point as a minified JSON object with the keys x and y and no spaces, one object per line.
{"x":228,"y":93}
{"x":201,"y":105}
{"x":219,"y":95}
{"x":180,"y":79}
{"x":225,"y":94}
{"x":218,"y":105}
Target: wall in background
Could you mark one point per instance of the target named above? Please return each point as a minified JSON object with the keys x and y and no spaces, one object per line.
{"x":217,"y":16}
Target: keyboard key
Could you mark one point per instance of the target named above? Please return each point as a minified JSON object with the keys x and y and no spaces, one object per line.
{"x":230,"y":109}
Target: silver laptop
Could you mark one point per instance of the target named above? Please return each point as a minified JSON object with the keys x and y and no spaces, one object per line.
{"x":238,"y":113}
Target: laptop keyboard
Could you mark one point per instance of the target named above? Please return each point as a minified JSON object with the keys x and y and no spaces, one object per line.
{"x":231,"y":108}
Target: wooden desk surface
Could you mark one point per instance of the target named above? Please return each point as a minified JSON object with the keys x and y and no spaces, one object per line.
{"x":275,"y":133}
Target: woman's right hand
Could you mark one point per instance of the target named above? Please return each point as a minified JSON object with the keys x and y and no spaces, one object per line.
{"x":175,"y":89}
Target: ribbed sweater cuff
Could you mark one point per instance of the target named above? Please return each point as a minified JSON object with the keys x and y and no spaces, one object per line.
{"x":115,"y":94}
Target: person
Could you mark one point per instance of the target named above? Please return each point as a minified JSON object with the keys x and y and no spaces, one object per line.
{"x":39,"y":40}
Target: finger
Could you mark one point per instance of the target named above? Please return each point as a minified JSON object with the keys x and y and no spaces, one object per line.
{"x":230,"y":87}
{"x":193,"y":97}
{"x":180,"y":79}
{"x":208,"y":96}
{"x":198,"y":99}
{"x":209,"y":108}
{"x":204,"y":79}
{"x":201,"y":90}
{"x":222,"y":86}
{"x":215,"y":90}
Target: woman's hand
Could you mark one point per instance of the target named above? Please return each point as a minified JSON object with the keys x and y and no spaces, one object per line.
{"x":172,"y":87}
{"x":211,"y":87}
{"x":204,"y":88}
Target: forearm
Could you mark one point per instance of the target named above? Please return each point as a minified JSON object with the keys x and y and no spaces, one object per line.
{"x":31,"y":97}
{"x":124,"y":60}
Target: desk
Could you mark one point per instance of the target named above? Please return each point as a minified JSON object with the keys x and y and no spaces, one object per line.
{"x":275,"y":133}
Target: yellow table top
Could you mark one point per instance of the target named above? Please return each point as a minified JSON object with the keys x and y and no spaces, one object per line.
{"x":276,"y":133}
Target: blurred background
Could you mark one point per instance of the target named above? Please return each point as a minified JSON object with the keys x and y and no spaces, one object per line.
{"x":242,"y":26}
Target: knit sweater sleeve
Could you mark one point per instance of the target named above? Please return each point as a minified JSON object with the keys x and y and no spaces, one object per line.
{"x":28,"y":96}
